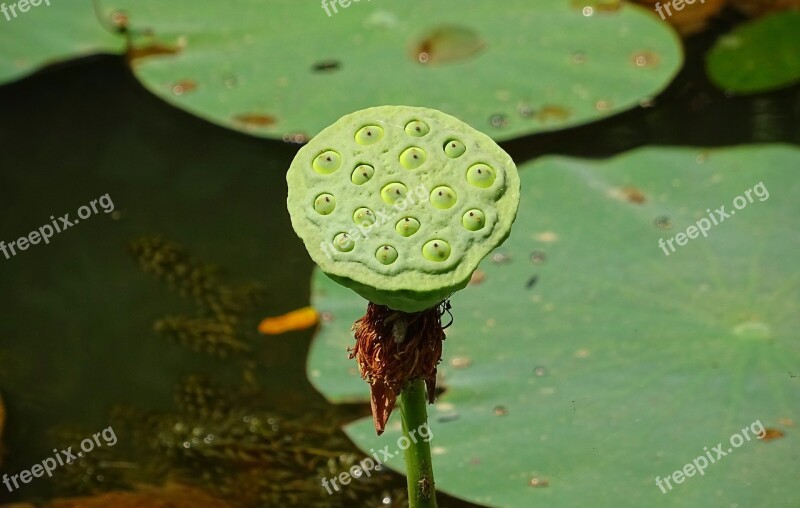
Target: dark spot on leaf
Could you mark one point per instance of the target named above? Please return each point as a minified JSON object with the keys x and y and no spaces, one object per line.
{"x":150,"y":50}
{"x":531,"y":282}
{"x":501,"y":258}
{"x":629,"y":194}
{"x":477,"y":277}
{"x":184,"y":86}
{"x":663,"y":223}
{"x":498,"y":121}
{"x":120,"y":20}
{"x":598,"y":5}
{"x":538,"y":482}
{"x":645,"y":59}
{"x":255,"y":120}
{"x":537,"y":257}
{"x":770,"y":434}
{"x":446,"y":44}
{"x":525,"y":110}
{"x":552,"y":112}
{"x":327,"y":66}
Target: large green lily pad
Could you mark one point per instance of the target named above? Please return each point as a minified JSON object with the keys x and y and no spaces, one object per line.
{"x":48,"y":34}
{"x":285,"y":68}
{"x":758,"y":56}
{"x":587,"y":362}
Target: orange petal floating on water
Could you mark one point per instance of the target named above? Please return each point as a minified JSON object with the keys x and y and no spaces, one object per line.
{"x":299,"y":319}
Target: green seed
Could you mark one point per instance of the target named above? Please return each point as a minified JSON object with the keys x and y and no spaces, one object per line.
{"x":474,"y":220}
{"x":325,"y":204}
{"x":343,"y":242}
{"x":407,"y":226}
{"x":386,"y":254}
{"x":417,"y":129}
{"x":364,"y":216}
{"x":327,"y":162}
{"x":392,"y":192}
{"x":362,"y":174}
{"x":369,"y":135}
{"x":443,"y":197}
{"x":481,"y":175}
{"x":413,"y":157}
{"x":436,"y":250}
{"x":454,"y":149}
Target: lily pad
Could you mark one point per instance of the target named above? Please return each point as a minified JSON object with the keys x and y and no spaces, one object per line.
{"x":584,"y":362}
{"x":51,"y":32}
{"x":287,"y":69}
{"x":758,"y":56}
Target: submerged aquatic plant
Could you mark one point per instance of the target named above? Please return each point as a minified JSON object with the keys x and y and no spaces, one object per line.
{"x":400,"y":204}
{"x":218,"y":436}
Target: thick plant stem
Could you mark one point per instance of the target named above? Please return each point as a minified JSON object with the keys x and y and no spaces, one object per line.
{"x":419,"y":467}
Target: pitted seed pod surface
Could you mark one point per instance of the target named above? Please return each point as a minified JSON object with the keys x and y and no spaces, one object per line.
{"x":401,"y":203}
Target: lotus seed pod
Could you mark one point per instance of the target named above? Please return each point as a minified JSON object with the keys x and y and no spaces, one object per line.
{"x":400,"y":203}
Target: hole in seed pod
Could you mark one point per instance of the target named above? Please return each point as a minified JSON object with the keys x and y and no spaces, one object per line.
{"x":454,"y":148}
{"x":327,"y":162}
{"x":413,"y":157}
{"x":407,"y":226}
{"x":364,"y":217}
{"x":343,"y":242}
{"x":436,"y":250}
{"x":386,"y":254}
{"x":324,"y":204}
{"x":474,"y":220}
{"x":362,"y":174}
{"x":369,"y":135}
{"x":481,"y":175}
{"x":443,"y":197}
{"x":393,"y":191}
{"x":417,"y":128}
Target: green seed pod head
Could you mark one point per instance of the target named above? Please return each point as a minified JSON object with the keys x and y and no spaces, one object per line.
{"x":430,"y":199}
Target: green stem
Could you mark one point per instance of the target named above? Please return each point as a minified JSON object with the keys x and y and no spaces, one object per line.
{"x":419,"y":467}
